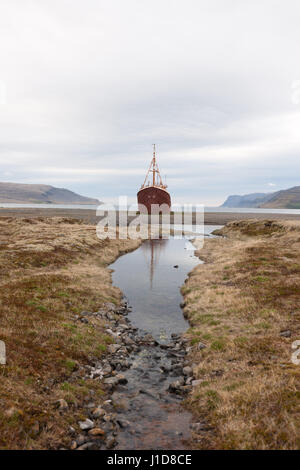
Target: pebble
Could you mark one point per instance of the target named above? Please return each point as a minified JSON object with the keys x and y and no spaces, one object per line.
{"x":81,"y":440}
{"x":286,"y":333}
{"x":98,"y":412}
{"x":62,"y":404}
{"x":196,"y":382}
{"x":198,"y":427}
{"x":127,"y":339}
{"x":111,"y":442}
{"x":87,"y":446}
{"x":2,"y":353}
{"x":86,"y":425}
{"x":113,"y":381}
{"x":113,"y":348}
{"x":96,"y":432}
{"x":187,"y":371}
{"x":73,"y":445}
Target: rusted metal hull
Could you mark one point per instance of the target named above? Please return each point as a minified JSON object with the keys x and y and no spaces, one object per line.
{"x":153,"y":195}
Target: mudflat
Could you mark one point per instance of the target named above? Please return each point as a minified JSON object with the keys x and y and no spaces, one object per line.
{"x":89,"y":215}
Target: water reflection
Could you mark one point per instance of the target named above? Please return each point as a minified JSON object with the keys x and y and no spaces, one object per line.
{"x":152,"y":284}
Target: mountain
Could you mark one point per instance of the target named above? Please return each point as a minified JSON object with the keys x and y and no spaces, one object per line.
{"x":40,"y":193}
{"x":285,"y":199}
{"x":248,"y":200}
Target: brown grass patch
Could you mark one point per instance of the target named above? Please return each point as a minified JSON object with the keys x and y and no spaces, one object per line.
{"x":51,"y":270}
{"x":238,"y":303}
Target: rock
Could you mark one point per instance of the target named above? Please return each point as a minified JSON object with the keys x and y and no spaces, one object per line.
{"x":62,"y":404}
{"x":176,"y":385}
{"x":112,"y":381}
{"x":110,"y":306}
{"x":113,"y":348}
{"x":196,"y":382}
{"x":111,"y":442}
{"x":90,"y":405}
{"x":97,"y":373}
{"x":123,"y":423}
{"x":73,"y":445}
{"x":96,"y":432}
{"x":85,"y":313}
{"x":197,"y":427}
{"x":81,"y":440}
{"x":88,"y":446}
{"x":188,"y":371}
{"x":128,"y":341}
{"x":2,"y":353}
{"x":201,"y":346}
{"x":286,"y":333}
{"x":121,"y":379}
{"x":86,"y":425}
{"x":148,"y":338}
{"x":98,"y":412}
{"x":72,"y":431}
{"x":107,"y":370}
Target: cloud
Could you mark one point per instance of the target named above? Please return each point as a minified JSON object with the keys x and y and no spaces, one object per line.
{"x":89,"y":86}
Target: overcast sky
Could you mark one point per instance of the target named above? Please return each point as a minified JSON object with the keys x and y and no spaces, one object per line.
{"x":86,"y":87}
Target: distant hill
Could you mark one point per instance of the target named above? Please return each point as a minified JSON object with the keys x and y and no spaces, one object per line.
{"x":248,"y":200}
{"x":40,"y":193}
{"x":285,"y":199}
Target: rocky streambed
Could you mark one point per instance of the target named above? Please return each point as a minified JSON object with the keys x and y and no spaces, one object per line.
{"x":147,"y":371}
{"x":146,"y":382}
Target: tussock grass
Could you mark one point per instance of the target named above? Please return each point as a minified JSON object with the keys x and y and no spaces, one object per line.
{"x":238,"y":303}
{"x":51,"y":270}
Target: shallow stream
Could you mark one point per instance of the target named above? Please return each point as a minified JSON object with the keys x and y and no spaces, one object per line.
{"x":150,"y":277}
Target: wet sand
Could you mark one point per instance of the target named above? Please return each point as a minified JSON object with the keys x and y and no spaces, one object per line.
{"x":89,"y":216}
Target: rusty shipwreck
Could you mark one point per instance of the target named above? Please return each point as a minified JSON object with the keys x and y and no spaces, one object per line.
{"x":153,"y":196}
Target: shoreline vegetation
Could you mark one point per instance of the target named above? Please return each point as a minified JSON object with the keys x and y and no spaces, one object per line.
{"x":52,"y":270}
{"x":243,"y":306}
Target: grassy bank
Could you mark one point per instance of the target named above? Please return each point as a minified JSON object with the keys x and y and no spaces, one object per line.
{"x":51,"y":270}
{"x":244,"y":308}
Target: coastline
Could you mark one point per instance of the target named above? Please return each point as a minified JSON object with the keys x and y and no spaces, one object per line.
{"x":89,"y":215}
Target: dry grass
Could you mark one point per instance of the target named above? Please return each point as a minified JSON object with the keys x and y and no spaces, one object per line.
{"x":238,"y":303}
{"x":51,"y":270}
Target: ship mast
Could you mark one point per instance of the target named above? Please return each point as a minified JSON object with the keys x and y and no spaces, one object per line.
{"x":154,"y":164}
{"x":156,"y":180}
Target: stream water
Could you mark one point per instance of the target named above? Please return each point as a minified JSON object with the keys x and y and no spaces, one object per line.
{"x":150,"y":278}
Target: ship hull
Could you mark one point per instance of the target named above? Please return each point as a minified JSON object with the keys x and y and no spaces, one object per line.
{"x":153,"y":196}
